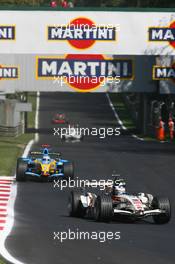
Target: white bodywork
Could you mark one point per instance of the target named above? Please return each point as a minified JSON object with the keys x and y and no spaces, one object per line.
{"x":72,"y":133}
{"x":125,"y":204}
{"x":88,"y":200}
{"x":135,"y":205}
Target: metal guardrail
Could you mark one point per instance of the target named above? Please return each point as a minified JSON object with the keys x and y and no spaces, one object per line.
{"x":11,"y":131}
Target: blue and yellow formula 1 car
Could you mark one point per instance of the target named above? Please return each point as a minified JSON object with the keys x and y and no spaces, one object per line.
{"x":44,"y":166}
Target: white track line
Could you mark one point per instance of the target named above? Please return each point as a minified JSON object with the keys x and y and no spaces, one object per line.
{"x":37,"y":116}
{"x":10,"y":209}
{"x":119,"y":120}
{"x":115,"y":113}
{"x":27,"y":149}
{"x":7,"y":178}
{"x":139,"y":138}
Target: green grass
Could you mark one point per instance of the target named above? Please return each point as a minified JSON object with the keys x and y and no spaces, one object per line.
{"x":125,"y":117}
{"x":31,"y":115}
{"x":122,"y":111}
{"x":12,"y":147}
{"x":2,"y":261}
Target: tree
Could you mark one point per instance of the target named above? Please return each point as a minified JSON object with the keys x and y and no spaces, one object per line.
{"x":21,"y":2}
{"x":128,"y":3}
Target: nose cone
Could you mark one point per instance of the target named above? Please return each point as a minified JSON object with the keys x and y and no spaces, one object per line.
{"x":45,"y":169}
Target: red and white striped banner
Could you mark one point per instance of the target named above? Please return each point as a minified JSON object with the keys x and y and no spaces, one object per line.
{"x":5,"y":191}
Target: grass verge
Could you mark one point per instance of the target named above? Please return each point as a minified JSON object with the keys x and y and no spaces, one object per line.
{"x":12,"y":147}
{"x":2,"y":261}
{"x":31,"y":115}
{"x":125,"y":117}
{"x":122,"y":111}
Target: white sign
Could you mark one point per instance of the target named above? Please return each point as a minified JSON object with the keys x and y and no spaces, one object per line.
{"x":86,"y":32}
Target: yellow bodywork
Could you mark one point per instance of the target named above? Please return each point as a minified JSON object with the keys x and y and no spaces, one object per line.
{"x":47,"y":169}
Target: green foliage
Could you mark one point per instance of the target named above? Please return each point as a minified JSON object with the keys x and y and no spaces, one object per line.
{"x":2,"y":261}
{"x":97,"y":3}
{"x":21,"y":2}
{"x":129,"y":3}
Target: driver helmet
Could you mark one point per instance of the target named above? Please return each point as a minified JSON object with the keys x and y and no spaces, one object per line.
{"x":46,"y":160}
{"x":119,"y":186}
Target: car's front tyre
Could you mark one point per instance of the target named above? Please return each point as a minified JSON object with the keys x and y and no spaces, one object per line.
{"x":164,"y":205}
{"x":75,"y":206}
{"x":103,"y":209}
{"x":21,"y":168}
{"x":68,"y":170}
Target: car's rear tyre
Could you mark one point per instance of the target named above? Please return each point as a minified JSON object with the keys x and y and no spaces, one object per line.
{"x":63,"y":137}
{"x":103,"y":210}
{"x":68,"y":170}
{"x":162,"y":204}
{"x":20,"y":170}
{"x":75,"y":206}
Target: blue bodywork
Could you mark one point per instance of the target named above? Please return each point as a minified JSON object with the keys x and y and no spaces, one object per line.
{"x":44,"y":158}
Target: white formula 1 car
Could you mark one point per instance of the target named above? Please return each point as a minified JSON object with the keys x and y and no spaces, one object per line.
{"x":115,"y":202}
{"x":72,"y":134}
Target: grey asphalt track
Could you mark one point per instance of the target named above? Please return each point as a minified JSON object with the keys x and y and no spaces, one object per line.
{"x":41,"y":209}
